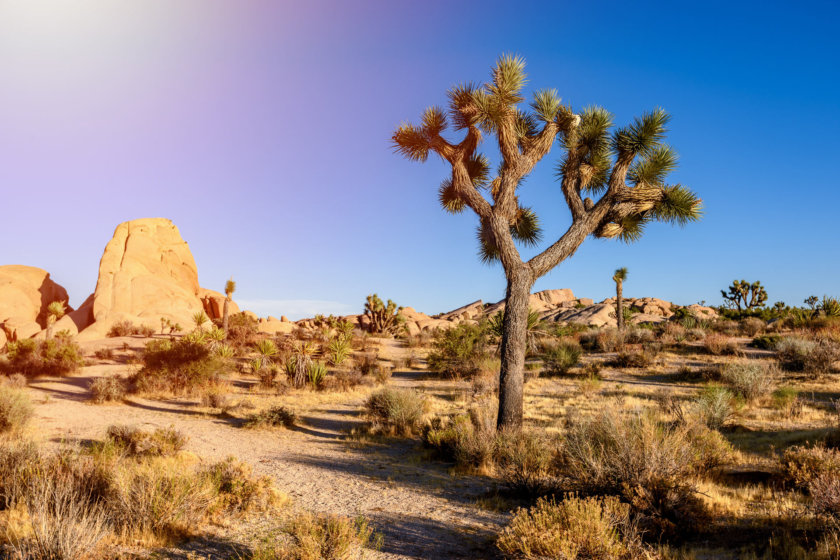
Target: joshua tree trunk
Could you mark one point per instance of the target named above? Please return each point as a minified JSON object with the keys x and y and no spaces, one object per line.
{"x":619,"y":305}
{"x":225,"y":315}
{"x":514,"y":345}
{"x":50,"y":323}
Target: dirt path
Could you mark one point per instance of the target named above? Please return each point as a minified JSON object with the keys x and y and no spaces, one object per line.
{"x":422,"y":511}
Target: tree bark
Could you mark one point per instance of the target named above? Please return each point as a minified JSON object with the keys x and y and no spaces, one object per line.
{"x":225,"y":315}
{"x":50,"y":323}
{"x":514,"y":342}
{"x":619,"y":305}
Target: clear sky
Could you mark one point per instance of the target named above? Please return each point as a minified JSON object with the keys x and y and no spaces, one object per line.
{"x":262,"y":129}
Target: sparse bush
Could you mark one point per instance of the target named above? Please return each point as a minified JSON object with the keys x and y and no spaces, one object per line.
{"x":560,"y":357}
{"x":645,"y":461}
{"x":457,"y":352}
{"x":468,"y":439}
{"x":714,"y":406}
{"x":802,"y":465}
{"x":573,"y":529}
{"x":15,"y":410}
{"x":751,"y":380}
{"x":367,"y":363}
{"x":14,"y":381}
{"x":55,"y":357}
{"x":215,"y":396}
{"x":237,"y":489}
{"x":163,"y":442}
{"x":695,"y":334}
{"x":396,"y":411}
{"x":525,"y":462}
{"x":180,"y":367}
{"x":382,"y":374}
{"x":242,"y":330}
{"x":104,"y":354}
{"x":347,"y":380}
{"x":319,"y":537}
{"x":276,"y":416}
{"x":751,"y":326}
{"x":122,"y":328}
{"x":786,"y":400}
{"x":638,"y":335}
{"x":602,"y":340}
{"x":631,"y":359}
{"x":809,"y":356}
{"x":825,"y":495}
{"x":720,"y":344}
{"x":108,"y":389}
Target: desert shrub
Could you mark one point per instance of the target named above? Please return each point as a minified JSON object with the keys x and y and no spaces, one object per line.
{"x":104,"y":353}
{"x":339,"y":349}
{"x":367,"y":363}
{"x":825,"y":495}
{"x":468,"y":439}
{"x":457,"y":352}
{"x":751,"y":380}
{"x":675,"y":331}
{"x":802,"y":465}
{"x":766,"y":341}
{"x":525,"y":462}
{"x":122,"y":328}
{"x":714,"y":406}
{"x":237,"y":489}
{"x":559,"y":358}
{"x":347,"y":380}
{"x":215,"y":396}
{"x":631,"y":359}
{"x":786,"y":400}
{"x":15,"y":410}
{"x":242,"y":330}
{"x":56,"y":357}
{"x":720,"y":344}
{"x":163,"y":442}
{"x":382,"y":374}
{"x":602,"y":340}
{"x":311,"y":536}
{"x":572,"y":529}
{"x":396,"y":411}
{"x":638,"y":335}
{"x":809,"y":356}
{"x":180,"y":367}
{"x":647,"y":462}
{"x":276,"y":416}
{"x":751,"y":326}
{"x":695,"y":334}
{"x":108,"y":389}
{"x":13,"y":381}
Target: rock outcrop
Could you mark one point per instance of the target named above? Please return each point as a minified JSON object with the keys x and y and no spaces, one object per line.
{"x":25,"y":293}
{"x":147,"y":272}
{"x":214,"y":304}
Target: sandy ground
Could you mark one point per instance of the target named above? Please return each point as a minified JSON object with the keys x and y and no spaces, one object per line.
{"x":421,"y":510}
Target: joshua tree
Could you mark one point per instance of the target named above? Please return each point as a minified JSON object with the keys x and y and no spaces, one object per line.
{"x":55,"y":311}
{"x":230,"y":287}
{"x":624,"y":170}
{"x":199,"y":318}
{"x":619,"y":277}
{"x":745,"y":296}
{"x":812,"y":301}
{"x":383,"y":318}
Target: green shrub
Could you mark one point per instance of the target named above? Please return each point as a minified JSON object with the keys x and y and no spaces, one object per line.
{"x":276,"y":416}
{"x":396,"y":411}
{"x":317,"y":374}
{"x":468,"y":439}
{"x":457,"y":352}
{"x":339,"y":349}
{"x":785,"y":398}
{"x":766,"y":341}
{"x":242,"y":330}
{"x":15,"y":410}
{"x":54,"y":357}
{"x":122,"y":328}
{"x":180,"y":367}
{"x":559,"y":358}
{"x":573,"y":529}
{"x":751,"y":380}
{"x":108,"y":389}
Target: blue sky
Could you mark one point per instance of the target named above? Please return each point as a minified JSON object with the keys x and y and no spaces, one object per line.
{"x":262,"y":129}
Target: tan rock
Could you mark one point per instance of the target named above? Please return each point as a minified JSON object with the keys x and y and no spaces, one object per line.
{"x":18,"y":328}
{"x":214,"y":304}
{"x":2,"y":338}
{"x":276,"y":326}
{"x":284,"y":319}
{"x":703,"y":312}
{"x":252,"y":315}
{"x":147,"y":272}
{"x":553,"y":297}
{"x":25,"y":293}
{"x":468,"y":311}
{"x":647,"y":318}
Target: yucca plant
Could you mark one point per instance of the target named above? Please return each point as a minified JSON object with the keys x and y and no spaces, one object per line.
{"x":256,"y":365}
{"x":55,"y":311}
{"x":216,"y":334}
{"x":345,"y":329}
{"x":625,"y":170}
{"x":830,"y":306}
{"x":317,"y":374}
{"x":200,"y":318}
{"x":197,"y":336}
{"x":297,"y":366}
{"x":267,"y":349}
{"x":338,"y":350}
{"x":619,"y":277}
{"x":225,"y":351}
{"x":230,"y":287}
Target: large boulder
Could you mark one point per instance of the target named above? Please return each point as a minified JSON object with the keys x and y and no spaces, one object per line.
{"x":214,"y":304}
{"x":147,"y":272}
{"x":25,"y":293}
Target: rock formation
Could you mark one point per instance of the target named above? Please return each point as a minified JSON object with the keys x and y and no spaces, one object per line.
{"x":25,"y":293}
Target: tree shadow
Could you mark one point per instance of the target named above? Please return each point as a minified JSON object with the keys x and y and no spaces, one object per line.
{"x":424,"y":538}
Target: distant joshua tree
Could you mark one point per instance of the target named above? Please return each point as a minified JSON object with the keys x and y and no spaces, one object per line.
{"x":625,"y":170}
{"x":812,"y":301}
{"x":745,"y":296}
{"x":619,"y":277}
{"x":55,"y":311}
{"x":230,"y":287}
{"x":383,"y":318}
